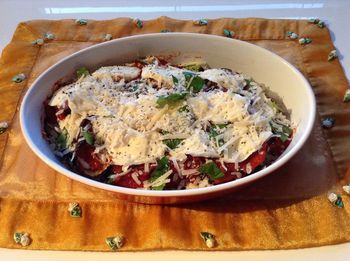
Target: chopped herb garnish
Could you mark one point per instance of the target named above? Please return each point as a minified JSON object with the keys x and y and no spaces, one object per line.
{"x":172,"y":143}
{"x":281,"y":130}
{"x":162,"y":167}
{"x":170,"y":99}
{"x":196,"y":67}
{"x":83,"y":71}
{"x":134,"y":88}
{"x":221,"y":125}
{"x":165,"y":31}
{"x":184,"y":108}
{"x":197,"y":84}
{"x":208,"y":238}
{"x":212,"y":170}
{"x":164,"y":132}
{"x":213,"y":132}
{"x":275,"y":106}
{"x":61,"y":140}
{"x":194,"y":83}
{"x":248,"y":82}
{"x":115,"y":242}
{"x":175,"y":80}
{"x":188,"y":76}
{"x":89,"y":137}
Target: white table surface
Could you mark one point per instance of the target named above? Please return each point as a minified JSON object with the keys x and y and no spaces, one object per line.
{"x":335,"y":12}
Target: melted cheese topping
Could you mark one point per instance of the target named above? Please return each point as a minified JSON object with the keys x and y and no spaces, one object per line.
{"x":129,"y":124}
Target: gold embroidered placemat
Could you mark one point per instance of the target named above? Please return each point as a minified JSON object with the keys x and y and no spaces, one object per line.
{"x":288,"y":209}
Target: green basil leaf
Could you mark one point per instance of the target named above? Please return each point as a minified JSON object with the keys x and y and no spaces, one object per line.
{"x":89,"y":137}
{"x":282,"y":130}
{"x":213,"y":132}
{"x":196,"y":67}
{"x":83,"y":71}
{"x":61,"y":140}
{"x":212,"y":170}
{"x":161,"y":187}
{"x":162,"y":167}
{"x":134,"y":88}
{"x":196,"y":84}
{"x":287,"y":130}
{"x":248,"y":82}
{"x":221,"y":125}
{"x":170,"y":99}
{"x":275,"y":106}
{"x":175,"y":80}
{"x":172,"y":143}
{"x":164,"y":132}
{"x":283,"y":137}
{"x":184,"y":108}
{"x":188,"y":76}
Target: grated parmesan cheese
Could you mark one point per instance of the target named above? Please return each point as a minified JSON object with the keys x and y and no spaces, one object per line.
{"x":127,"y":122}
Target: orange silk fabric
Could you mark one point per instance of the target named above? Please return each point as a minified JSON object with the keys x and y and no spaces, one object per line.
{"x":287,"y":209}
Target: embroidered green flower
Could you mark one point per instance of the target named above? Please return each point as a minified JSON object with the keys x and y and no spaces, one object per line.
{"x":107,"y":37}
{"x":321,"y":24}
{"x":229,"y":33}
{"x":165,"y":31}
{"x":346,"y":189}
{"x":19,"y":78}
{"x":332,"y":55}
{"x":336,"y":200}
{"x":74,"y":210}
{"x":138,"y":23}
{"x":305,"y":40}
{"x":115,"y":242}
{"x":209,"y":239}
{"x":318,"y":22}
{"x":347,"y":96}
{"x":200,"y":22}
{"x":314,"y":20}
{"x":81,"y":21}
{"x":49,"y":36}
{"x":292,"y":35}
{"x":3,"y":127}
{"x":22,"y":238}
{"x":38,"y":42}
{"x":328,"y":122}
